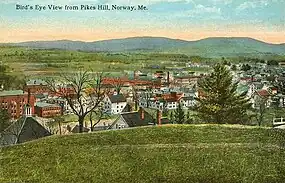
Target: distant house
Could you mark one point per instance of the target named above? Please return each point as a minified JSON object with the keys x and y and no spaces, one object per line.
{"x":114,"y":104}
{"x":36,"y":86}
{"x":188,"y":101}
{"x":133,"y":119}
{"x":167,"y":101}
{"x":187,"y":80}
{"x":47,"y":110}
{"x":259,"y":95}
{"x":66,"y":109}
{"x":25,"y":129}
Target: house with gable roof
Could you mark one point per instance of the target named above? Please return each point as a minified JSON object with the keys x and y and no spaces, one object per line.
{"x":114,"y":103}
{"x":137,"y":119}
{"x":260,"y":96}
{"x":162,"y":101}
{"x":25,"y":129}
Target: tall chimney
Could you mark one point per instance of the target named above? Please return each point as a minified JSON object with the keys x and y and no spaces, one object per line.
{"x":135,"y":75}
{"x":141,"y":113}
{"x":168,"y":79}
{"x":29,"y":95}
{"x":158,"y":117}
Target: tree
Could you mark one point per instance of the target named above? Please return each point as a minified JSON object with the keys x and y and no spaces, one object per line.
{"x":84,"y":94}
{"x":234,"y":67}
{"x":245,"y":67}
{"x":117,"y":83}
{"x":4,"y":119}
{"x":4,"y":77}
{"x":171,"y":117}
{"x":271,"y":78}
{"x":135,"y":97}
{"x":8,"y":81}
{"x":225,"y":62}
{"x":146,"y":96}
{"x":261,"y":102}
{"x":99,"y":114}
{"x":179,"y":115}
{"x":220,"y":102}
{"x":273,"y":62}
{"x":54,"y":125}
{"x":188,"y":114}
{"x":189,"y":120}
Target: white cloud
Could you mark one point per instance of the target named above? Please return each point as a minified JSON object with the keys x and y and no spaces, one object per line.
{"x":252,"y":4}
{"x":200,"y":11}
{"x":226,"y":2}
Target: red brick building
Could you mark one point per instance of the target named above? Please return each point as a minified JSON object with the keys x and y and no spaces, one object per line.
{"x":14,"y":101}
{"x":47,"y":110}
{"x":36,"y":87}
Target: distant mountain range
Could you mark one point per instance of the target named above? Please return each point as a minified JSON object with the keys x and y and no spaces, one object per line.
{"x":218,"y":46}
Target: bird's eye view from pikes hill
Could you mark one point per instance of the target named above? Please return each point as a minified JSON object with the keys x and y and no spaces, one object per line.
{"x":142,"y":91}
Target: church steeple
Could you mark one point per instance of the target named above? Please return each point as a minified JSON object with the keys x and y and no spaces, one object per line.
{"x":27,"y":107}
{"x":27,"y":110}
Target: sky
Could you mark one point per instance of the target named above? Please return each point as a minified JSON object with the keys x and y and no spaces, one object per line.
{"x":180,"y":19}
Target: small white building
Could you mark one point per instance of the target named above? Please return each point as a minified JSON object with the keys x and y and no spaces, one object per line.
{"x":114,"y":104}
{"x":168,"y":101}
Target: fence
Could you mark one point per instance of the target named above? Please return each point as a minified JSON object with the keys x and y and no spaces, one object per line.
{"x":278,"y":121}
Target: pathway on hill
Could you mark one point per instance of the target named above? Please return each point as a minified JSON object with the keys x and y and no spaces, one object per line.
{"x":193,"y":145}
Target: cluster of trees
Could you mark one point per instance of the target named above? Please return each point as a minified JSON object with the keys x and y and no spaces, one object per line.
{"x":273,"y":62}
{"x":180,"y":116}
{"x":245,"y":67}
{"x":4,"y":119}
{"x":9,"y":81}
{"x":255,"y":60}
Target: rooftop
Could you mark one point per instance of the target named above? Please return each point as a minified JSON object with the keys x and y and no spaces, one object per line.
{"x":117,"y":98}
{"x":11,"y":93}
{"x":36,"y":82}
{"x":28,"y":129}
{"x":133,"y":119}
{"x":263,"y":93}
{"x":44,"y":104}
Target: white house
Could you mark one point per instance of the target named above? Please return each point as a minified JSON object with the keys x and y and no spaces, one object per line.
{"x":167,"y":101}
{"x":114,"y":104}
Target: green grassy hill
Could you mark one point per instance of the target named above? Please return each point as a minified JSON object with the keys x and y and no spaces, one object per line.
{"x":176,"y":153}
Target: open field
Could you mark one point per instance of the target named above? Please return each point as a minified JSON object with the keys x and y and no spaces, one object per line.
{"x":42,"y":62}
{"x":174,"y":153}
{"x":47,"y":62}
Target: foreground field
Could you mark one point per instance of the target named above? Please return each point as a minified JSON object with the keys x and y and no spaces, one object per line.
{"x":176,"y":153}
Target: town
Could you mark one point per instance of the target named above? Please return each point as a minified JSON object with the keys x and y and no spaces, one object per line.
{"x":139,"y":100}
{"x":156,"y":91}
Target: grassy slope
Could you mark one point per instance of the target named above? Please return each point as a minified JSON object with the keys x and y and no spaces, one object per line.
{"x":159,"y":154}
